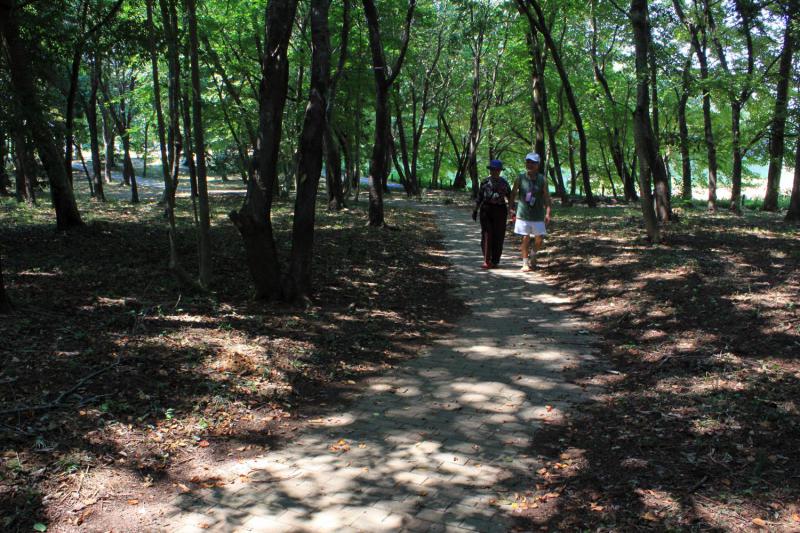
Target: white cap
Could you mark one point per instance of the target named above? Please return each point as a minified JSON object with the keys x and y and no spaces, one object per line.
{"x":533,"y":156}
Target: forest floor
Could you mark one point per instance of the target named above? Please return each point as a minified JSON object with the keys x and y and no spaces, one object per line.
{"x":700,"y":425}
{"x":115,"y":383}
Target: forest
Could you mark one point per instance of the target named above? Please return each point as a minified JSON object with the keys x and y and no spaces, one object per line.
{"x":219,"y":193}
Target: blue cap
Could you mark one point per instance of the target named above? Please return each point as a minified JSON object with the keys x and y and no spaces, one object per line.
{"x":495,"y":163}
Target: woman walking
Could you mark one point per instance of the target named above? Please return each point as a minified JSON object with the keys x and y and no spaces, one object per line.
{"x":493,"y":195}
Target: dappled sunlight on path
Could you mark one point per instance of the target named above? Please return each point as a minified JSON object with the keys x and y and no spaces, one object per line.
{"x":436,"y":444}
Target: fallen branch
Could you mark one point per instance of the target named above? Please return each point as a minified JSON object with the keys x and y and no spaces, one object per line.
{"x":60,"y":398}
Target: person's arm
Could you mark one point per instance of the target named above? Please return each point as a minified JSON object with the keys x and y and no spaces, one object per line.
{"x":513,"y":197}
{"x":478,"y":202}
{"x":547,"y":203}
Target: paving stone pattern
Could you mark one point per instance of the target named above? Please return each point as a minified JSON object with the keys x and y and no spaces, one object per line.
{"x":437,"y":444}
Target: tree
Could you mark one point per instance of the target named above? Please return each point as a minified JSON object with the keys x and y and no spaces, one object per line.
{"x":24,"y":89}
{"x":5,"y":301}
{"x":778,"y":130}
{"x":384,"y":78}
{"x":253,"y":218}
{"x":645,"y":138}
{"x":204,"y":237}
{"x":333,"y":157}
{"x":537,"y":22}
{"x":699,"y":40}
{"x":793,"y":214}
{"x":310,"y":164}
{"x":745,"y":9}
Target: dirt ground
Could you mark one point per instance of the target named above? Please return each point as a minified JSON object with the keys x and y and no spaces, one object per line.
{"x":117,"y":387}
{"x":700,"y":427}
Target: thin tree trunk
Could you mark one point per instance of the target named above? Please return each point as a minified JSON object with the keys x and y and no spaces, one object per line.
{"x":333,"y":156}
{"x":793,"y":214}
{"x":18,"y":62}
{"x":108,"y":142}
{"x":253,"y":218}
{"x":85,"y":168}
{"x":94,"y":141}
{"x":5,"y":301}
{"x":200,"y":147}
{"x":645,"y":138}
{"x":311,"y":150}
{"x":24,"y":168}
{"x":174,"y":261}
{"x":384,"y":78}
{"x":778,"y":133}
{"x":539,"y":23}
{"x":573,"y":175}
{"x":683,"y":132}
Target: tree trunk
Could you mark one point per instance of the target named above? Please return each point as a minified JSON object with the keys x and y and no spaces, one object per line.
{"x":169,"y":199}
{"x":170,"y":23}
{"x":5,"y":301}
{"x":683,"y":132}
{"x":793,"y":215}
{"x":573,"y":179}
{"x":253,"y":218}
{"x":333,"y":161}
{"x":200,"y":151}
{"x":311,"y":140}
{"x":645,"y":139}
{"x":24,"y":166}
{"x":384,"y":78}
{"x":94,"y":141}
{"x":539,"y":23}
{"x":108,"y":142}
{"x":5,"y":180}
{"x":778,"y":132}
{"x":67,"y":215}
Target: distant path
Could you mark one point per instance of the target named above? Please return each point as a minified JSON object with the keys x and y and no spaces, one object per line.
{"x":434,"y":444}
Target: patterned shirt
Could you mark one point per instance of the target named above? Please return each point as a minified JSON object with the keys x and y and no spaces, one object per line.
{"x":493,"y":192}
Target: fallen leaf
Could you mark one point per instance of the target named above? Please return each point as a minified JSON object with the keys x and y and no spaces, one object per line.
{"x":183,"y":489}
{"x":133,"y":501}
{"x":796,"y":517}
{"x":203,"y":444}
{"x":650,"y":516}
{"x":759,"y":522}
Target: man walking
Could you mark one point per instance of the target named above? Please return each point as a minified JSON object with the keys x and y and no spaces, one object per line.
{"x":532,"y":209}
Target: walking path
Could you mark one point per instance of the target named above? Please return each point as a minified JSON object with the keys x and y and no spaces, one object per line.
{"x":434,"y":445}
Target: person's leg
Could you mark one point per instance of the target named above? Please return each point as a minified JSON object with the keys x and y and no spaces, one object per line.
{"x":498,"y":233}
{"x":537,"y":245}
{"x":486,"y":238}
{"x":526,"y":243}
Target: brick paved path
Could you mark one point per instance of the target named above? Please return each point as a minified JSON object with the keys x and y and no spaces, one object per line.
{"x":436,"y":444}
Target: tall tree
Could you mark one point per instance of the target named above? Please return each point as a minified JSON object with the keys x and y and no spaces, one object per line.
{"x":174,"y":261}
{"x":745,"y":9}
{"x":698,"y":33}
{"x":200,"y":150}
{"x":645,"y":138}
{"x":537,"y":21}
{"x":254,"y":217}
{"x":384,"y":78}
{"x":310,"y":164}
{"x":91,"y":119}
{"x":5,"y":301}
{"x":333,"y":157}
{"x":793,"y":214}
{"x":778,"y":130}
{"x":25,"y":93}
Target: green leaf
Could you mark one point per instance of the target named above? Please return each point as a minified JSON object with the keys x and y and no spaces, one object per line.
{"x":38,"y":526}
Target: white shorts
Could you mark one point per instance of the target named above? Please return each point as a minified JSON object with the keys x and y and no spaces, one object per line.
{"x":527,"y":227}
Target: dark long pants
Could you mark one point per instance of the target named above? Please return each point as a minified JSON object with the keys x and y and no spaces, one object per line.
{"x":493,"y":232}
